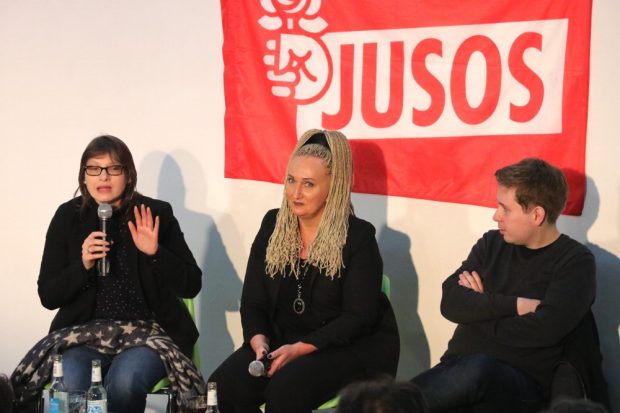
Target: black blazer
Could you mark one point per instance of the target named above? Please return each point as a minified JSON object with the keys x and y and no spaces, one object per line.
{"x":65,"y":284}
{"x":363,"y":319}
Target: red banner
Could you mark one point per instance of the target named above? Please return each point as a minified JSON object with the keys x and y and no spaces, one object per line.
{"x":433,"y":95}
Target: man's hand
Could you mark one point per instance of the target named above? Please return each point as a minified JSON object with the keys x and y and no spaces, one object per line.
{"x":526,"y":305}
{"x":471,"y":280}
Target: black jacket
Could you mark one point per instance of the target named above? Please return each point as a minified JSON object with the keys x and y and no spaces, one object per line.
{"x":66,"y":285}
{"x":363,"y":319}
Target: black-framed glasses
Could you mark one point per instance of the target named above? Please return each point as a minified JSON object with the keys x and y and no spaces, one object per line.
{"x":112,"y":170}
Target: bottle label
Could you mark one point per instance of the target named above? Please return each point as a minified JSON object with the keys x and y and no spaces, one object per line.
{"x":212,"y":398}
{"x":54,"y":405}
{"x":96,"y":374}
{"x":97,"y":406}
{"x":59,"y":402}
{"x":57,"y":369}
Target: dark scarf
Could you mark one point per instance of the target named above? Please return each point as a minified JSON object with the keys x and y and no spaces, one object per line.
{"x":108,"y":337}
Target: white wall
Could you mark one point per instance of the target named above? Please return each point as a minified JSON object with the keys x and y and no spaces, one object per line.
{"x":150,"y":72}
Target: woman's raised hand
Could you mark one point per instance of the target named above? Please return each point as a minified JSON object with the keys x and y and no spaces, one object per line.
{"x":145,"y":231}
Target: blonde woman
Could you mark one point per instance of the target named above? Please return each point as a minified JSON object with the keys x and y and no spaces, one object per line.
{"x":311,"y":306}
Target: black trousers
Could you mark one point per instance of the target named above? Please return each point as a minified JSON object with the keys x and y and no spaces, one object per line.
{"x":300,"y":386}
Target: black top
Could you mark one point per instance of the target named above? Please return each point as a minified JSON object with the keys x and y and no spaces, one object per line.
{"x":295,"y":325}
{"x":66,"y":285}
{"x":118,"y":298}
{"x":561,"y":275}
{"x":349,"y":310}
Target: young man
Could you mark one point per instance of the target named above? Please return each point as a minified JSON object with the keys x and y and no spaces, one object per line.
{"x":522,"y":291}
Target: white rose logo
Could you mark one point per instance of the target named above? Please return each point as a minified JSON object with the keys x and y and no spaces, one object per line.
{"x":298,"y":63}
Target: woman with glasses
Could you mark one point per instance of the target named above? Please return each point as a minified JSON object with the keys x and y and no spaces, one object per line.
{"x":124,"y":314}
{"x":313,"y":315}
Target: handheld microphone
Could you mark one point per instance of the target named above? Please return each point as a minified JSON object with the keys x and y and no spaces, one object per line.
{"x":104,"y":211}
{"x":259,"y":368}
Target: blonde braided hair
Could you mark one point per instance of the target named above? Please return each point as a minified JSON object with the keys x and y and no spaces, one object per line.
{"x":325,"y":251}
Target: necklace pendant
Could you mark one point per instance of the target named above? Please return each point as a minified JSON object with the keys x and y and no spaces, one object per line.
{"x":299,"y":306}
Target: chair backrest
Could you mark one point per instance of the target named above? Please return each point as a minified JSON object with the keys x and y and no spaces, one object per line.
{"x":385,"y":286}
{"x":189,"y":303}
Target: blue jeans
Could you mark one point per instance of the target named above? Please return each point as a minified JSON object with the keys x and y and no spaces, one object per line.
{"x":478,"y":383}
{"x":128,"y":376}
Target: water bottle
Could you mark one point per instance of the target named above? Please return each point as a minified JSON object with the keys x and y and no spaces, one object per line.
{"x":212,"y":398}
{"x":96,"y":397}
{"x":58,"y":396}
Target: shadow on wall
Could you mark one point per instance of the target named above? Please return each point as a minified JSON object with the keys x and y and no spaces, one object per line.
{"x":608,"y":289}
{"x":221,"y":286}
{"x":398,"y":264}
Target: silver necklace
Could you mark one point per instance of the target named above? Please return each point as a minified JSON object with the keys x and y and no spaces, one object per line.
{"x":299,"y":305}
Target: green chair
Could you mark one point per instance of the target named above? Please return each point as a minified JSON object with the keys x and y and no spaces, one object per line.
{"x":385,"y":286}
{"x":332,"y":403}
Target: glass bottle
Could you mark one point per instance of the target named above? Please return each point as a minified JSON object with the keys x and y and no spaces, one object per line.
{"x":212,"y":398}
{"x":58,"y":396}
{"x":96,"y":397}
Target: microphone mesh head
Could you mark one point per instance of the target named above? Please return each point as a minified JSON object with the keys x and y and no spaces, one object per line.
{"x":104,"y":211}
{"x":256,"y":368}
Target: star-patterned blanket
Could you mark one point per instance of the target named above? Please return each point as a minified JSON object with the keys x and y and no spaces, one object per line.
{"x":108,"y":337}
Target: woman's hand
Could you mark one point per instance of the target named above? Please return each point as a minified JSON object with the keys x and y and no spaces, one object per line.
{"x":145,"y":230}
{"x":260,"y":345}
{"x":287,"y":353}
{"x":94,"y":247}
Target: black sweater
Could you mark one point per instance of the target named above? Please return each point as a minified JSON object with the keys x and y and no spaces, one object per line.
{"x":562,"y":276}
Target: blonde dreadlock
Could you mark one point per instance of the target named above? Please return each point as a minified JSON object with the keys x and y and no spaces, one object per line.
{"x":325,"y":251}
